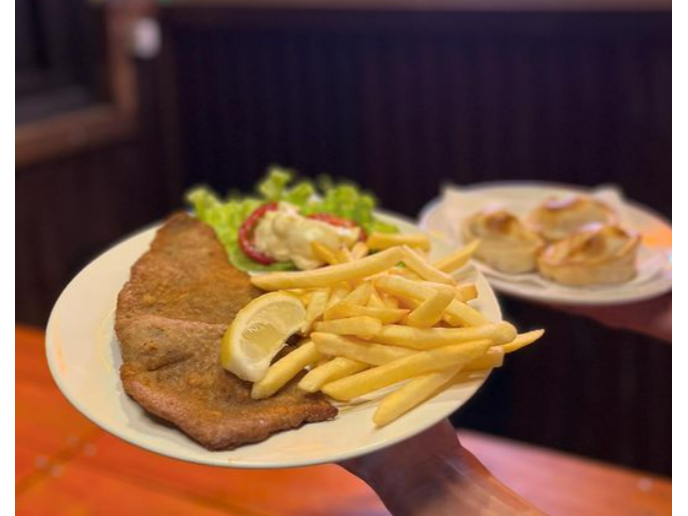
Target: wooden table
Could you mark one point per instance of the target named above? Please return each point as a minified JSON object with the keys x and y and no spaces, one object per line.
{"x":65,"y":465}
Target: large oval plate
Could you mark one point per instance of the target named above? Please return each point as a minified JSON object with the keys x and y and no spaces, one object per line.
{"x":84,"y":358}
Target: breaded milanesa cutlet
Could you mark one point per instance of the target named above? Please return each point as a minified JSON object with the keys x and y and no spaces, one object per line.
{"x":171,"y":315}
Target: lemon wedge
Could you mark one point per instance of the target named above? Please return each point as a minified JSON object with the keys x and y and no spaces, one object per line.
{"x":259,"y":331}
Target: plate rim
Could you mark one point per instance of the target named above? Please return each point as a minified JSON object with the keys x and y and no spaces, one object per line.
{"x":83,"y":408}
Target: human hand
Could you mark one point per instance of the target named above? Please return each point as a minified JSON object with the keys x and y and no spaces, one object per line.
{"x":431,"y":473}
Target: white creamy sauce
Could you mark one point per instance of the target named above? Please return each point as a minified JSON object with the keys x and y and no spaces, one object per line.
{"x":284,"y":234}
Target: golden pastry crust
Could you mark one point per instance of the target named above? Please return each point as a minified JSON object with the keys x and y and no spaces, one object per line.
{"x":505,"y":243}
{"x":556,"y":218}
{"x":596,"y":254}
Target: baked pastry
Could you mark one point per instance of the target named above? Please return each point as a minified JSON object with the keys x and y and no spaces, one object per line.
{"x":557,"y":218}
{"x":596,"y":254}
{"x":506,"y":244}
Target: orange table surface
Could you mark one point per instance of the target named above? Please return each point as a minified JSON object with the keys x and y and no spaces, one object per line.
{"x":65,"y":465}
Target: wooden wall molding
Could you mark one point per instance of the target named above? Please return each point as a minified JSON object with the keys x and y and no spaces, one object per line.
{"x":107,"y":122}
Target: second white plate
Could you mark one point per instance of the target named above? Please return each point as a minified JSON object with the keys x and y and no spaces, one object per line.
{"x":655,"y":229}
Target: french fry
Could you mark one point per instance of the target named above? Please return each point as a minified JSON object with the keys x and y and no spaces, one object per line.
{"x":522,"y":340}
{"x":359,"y":295}
{"x":285,"y":369}
{"x":323,"y":360}
{"x":456,"y":314}
{"x":424,"y":387}
{"x":386,"y":240}
{"x":343,"y":255}
{"x":335,"y":369}
{"x":361,"y":351}
{"x":324,"y":253}
{"x":359,"y":250}
{"x":390,"y":301}
{"x":339,"y":292}
{"x":368,"y":266}
{"x":363,"y":327}
{"x":464,"y":293}
{"x":467,"y":292}
{"x":410,"y":304}
{"x":298,"y":292}
{"x":417,"y":364}
{"x":430,"y":311}
{"x":411,"y":395}
{"x":315,"y":309}
{"x":403,"y":287}
{"x":306,"y":297}
{"x":404,"y":272}
{"x":385,"y":315}
{"x":420,"y":266}
{"x":429,"y":338}
{"x":458,"y":258}
{"x":493,"y":358}
{"x":459,"y":313}
{"x":375,"y":300}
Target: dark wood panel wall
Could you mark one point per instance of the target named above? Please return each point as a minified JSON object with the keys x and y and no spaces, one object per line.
{"x":401,"y":102}
{"x":404,"y":101}
{"x":71,"y":210}
{"x":585,"y":389}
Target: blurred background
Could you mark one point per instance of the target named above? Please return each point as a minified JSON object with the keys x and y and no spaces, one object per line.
{"x":122,"y":105}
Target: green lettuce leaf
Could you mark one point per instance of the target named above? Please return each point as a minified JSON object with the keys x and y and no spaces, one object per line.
{"x":226,"y":216}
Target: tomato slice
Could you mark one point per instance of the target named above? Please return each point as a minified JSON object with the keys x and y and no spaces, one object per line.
{"x":246,"y":234}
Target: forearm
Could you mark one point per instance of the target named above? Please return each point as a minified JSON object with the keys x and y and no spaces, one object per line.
{"x":651,"y":317}
{"x":456,"y":485}
{"x":660,"y":325}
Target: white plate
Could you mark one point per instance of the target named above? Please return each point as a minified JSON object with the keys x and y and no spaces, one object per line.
{"x":84,"y":359}
{"x":520,"y":197}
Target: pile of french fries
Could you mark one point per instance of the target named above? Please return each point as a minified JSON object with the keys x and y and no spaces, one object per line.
{"x":388,"y":318}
